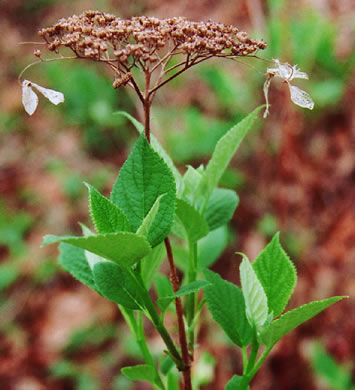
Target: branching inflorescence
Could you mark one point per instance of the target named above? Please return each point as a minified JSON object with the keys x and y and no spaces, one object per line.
{"x":147,"y":43}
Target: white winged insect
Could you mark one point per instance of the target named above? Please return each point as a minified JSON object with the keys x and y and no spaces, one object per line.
{"x":30,"y":99}
{"x":286,"y":72}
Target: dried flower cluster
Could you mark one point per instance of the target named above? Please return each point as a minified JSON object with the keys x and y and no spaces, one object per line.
{"x":146,"y":42}
{"x":93,"y":33}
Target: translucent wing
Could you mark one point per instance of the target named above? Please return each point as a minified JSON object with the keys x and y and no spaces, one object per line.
{"x":300,"y":97}
{"x":54,"y":97}
{"x":298,"y":75}
{"x":29,"y":98}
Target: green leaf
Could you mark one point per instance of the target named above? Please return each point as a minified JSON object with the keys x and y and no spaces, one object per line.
{"x":293,"y":318}
{"x":185,"y":290}
{"x":116,"y":284}
{"x":234,"y":383}
{"x":73,"y":260}
{"x":151,"y":263}
{"x":220,"y":207}
{"x":143,"y":230}
{"x":254,"y":295}
{"x":173,"y":380}
{"x":212,"y":246}
{"x":107,"y":217}
{"x":277,"y":274}
{"x":156,"y":145}
{"x":334,"y":374}
{"x":141,"y":372}
{"x":191,"y":182}
{"x":191,"y":288}
{"x":164,"y":289}
{"x":226,"y":303}
{"x":143,"y":177}
{"x":224,"y":152}
{"x":124,"y":248}
{"x":194,"y":225}
{"x":166,"y":365}
{"x":138,"y":125}
{"x":85,"y":230}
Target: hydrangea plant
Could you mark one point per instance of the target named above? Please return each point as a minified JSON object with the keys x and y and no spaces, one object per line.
{"x":156,"y":212}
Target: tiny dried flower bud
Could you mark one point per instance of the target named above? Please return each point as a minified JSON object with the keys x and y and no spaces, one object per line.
{"x":37,"y":53}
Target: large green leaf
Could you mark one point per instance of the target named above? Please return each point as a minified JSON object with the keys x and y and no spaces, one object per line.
{"x":220,"y":207}
{"x":141,"y":372}
{"x":224,"y":152}
{"x":226,"y":303}
{"x":107,"y":217}
{"x":74,"y":261}
{"x":293,"y":318}
{"x":156,"y":146}
{"x":116,"y":284}
{"x":277,"y":274}
{"x":142,"y":179}
{"x":254,"y":295}
{"x":124,"y":248}
{"x":194,"y":225}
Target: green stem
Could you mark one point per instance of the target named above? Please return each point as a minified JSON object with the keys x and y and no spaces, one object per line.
{"x":245,"y":360}
{"x":253,"y":369}
{"x":256,"y":367}
{"x":157,"y":322}
{"x":253,"y":355}
{"x":141,"y":341}
{"x":136,"y":327}
{"x":191,"y":298}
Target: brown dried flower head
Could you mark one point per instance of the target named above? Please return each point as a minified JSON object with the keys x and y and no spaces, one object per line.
{"x":145,"y":42}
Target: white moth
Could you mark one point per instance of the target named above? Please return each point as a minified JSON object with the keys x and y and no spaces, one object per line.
{"x":286,"y":72}
{"x":30,"y":99}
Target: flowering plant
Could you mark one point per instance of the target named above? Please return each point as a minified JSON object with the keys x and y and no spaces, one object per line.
{"x":154,"y":211}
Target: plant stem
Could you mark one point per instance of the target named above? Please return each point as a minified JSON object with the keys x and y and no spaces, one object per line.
{"x":146,"y":105}
{"x":191,"y":298}
{"x":256,"y":367}
{"x":159,"y":326}
{"x":183,"y":365}
{"x":136,"y":327}
{"x":141,"y":341}
{"x":253,"y":368}
{"x":253,"y":355}
{"x":245,"y":359}
{"x":186,"y":373}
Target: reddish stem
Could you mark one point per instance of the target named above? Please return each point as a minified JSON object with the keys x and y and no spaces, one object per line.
{"x":186,"y":373}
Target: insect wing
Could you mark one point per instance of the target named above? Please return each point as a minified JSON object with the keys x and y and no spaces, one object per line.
{"x":29,"y":98}
{"x":301,"y":98}
{"x":54,"y":97}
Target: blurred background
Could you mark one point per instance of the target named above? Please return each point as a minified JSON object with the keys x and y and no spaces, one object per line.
{"x":294,"y":173}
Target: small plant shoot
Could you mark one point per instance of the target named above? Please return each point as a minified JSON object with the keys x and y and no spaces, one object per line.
{"x":155,"y":211}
